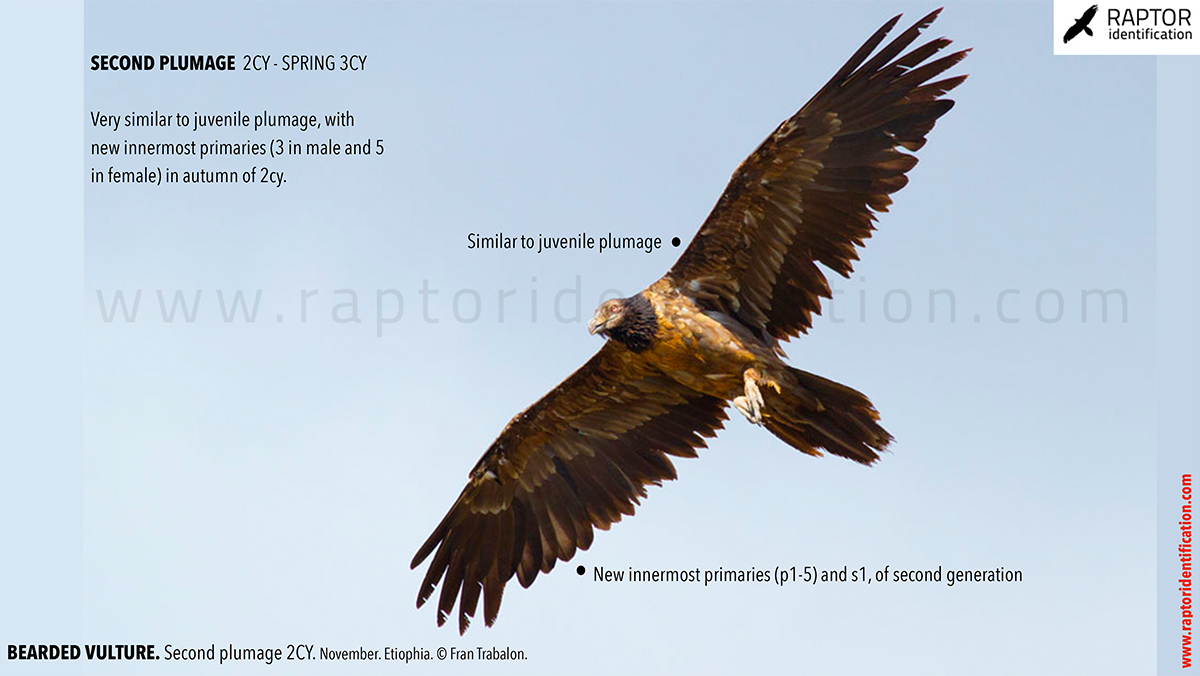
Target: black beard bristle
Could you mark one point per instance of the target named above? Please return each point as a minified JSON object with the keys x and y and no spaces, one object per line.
{"x":638,"y":325}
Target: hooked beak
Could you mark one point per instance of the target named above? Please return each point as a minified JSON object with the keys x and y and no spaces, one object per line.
{"x":595,"y":324}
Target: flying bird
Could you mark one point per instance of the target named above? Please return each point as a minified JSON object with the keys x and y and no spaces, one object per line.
{"x":705,"y":335}
{"x":1081,"y":25}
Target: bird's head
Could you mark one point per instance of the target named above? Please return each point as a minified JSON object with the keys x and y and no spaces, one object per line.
{"x":609,"y":316}
{"x":631,"y":321}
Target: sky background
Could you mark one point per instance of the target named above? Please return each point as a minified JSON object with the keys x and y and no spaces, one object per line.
{"x":264,"y":483}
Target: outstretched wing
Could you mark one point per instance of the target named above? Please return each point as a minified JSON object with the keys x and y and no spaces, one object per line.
{"x":578,"y":459}
{"x":810,"y":191}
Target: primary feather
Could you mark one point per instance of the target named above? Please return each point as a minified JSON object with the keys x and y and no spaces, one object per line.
{"x":704,"y":335}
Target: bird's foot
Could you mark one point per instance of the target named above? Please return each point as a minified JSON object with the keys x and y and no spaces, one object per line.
{"x":751,"y":404}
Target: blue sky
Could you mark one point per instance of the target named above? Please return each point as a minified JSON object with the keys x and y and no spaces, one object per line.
{"x":267,"y":482}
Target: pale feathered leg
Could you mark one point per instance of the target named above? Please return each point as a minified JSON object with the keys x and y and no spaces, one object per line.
{"x":752,"y":403}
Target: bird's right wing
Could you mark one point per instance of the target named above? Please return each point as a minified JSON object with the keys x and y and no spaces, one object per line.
{"x":578,"y":459}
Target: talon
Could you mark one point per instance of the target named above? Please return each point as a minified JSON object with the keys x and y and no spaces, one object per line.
{"x":743,"y":404}
{"x":751,"y":405}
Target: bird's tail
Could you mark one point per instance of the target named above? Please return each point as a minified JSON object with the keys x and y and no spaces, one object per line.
{"x":811,"y":413}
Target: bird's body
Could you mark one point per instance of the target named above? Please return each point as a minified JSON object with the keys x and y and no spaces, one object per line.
{"x":703,"y":350}
{"x":704,"y":336}
{"x":1081,"y":24}
{"x":716,"y":355}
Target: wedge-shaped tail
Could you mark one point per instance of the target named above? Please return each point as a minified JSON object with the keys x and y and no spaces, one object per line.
{"x":810,"y":413}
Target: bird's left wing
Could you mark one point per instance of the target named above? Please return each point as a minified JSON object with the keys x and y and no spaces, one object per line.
{"x":808,"y":194}
{"x":577,"y":459}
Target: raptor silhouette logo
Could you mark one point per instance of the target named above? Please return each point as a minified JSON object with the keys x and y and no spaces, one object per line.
{"x":1081,"y":24}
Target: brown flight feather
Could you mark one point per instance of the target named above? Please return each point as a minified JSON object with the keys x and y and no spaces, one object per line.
{"x":581,"y":457}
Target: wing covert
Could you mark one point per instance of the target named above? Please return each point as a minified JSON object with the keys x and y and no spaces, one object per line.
{"x":809,"y":193}
{"x":578,"y":459}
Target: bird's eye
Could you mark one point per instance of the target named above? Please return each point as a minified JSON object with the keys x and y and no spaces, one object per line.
{"x":612,"y":309}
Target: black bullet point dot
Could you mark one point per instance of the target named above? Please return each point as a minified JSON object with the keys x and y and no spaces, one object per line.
{"x":581,"y":570}
{"x":674,"y":241}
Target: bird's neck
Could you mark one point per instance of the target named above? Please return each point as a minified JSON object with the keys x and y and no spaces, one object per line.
{"x":639,"y":324}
